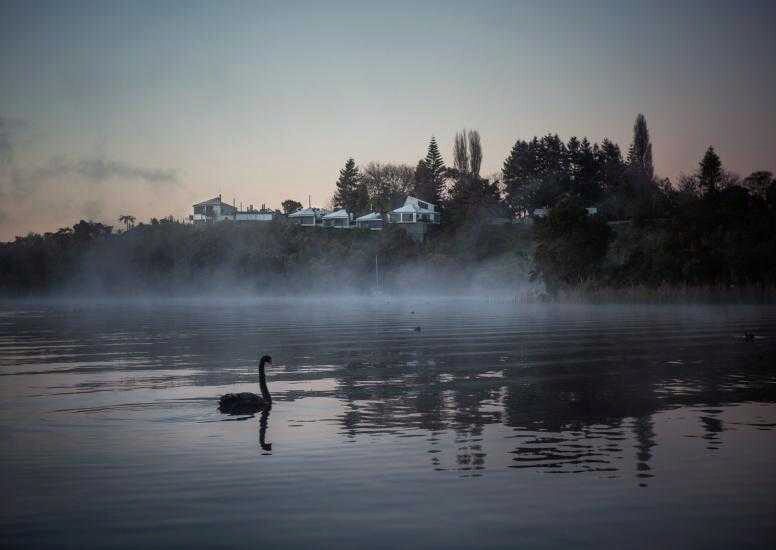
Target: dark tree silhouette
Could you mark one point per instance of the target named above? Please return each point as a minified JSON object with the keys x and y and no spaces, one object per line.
{"x":610,"y":166}
{"x":128,"y":220}
{"x":570,"y":245}
{"x":640,"y":152}
{"x":475,"y":153}
{"x":436,"y":168}
{"x":351,"y":192}
{"x":710,"y":174}
{"x":387,"y":185}
{"x":759,"y":183}
{"x":290,"y":205}
{"x":469,"y":194}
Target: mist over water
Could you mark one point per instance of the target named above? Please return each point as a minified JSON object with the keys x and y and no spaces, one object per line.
{"x":396,"y":422}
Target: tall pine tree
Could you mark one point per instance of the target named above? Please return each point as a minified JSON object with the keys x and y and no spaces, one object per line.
{"x":432,"y":178}
{"x":351,"y":191}
{"x":640,"y":152}
{"x":710,"y":171}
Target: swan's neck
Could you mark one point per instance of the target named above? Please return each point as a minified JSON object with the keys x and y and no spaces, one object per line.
{"x":263,"y":384}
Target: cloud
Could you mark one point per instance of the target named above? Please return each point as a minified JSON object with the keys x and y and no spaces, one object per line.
{"x":20,"y":183}
{"x":95,"y":171}
{"x":54,"y":190}
{"x":99,"y":170}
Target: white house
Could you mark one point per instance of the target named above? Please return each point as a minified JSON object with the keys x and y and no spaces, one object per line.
{"x":307,"y":216}
{"x":213,"y":210}
{"x":251,"y":215}
{"x":415,"y":211}
{"x":341,"y":219}
{"x":373,"y":221}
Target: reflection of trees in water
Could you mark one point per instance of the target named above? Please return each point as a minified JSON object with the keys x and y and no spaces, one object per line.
{"x":643,"y":430}
{"x":712,"y":426}
{"x":567,"y":424}
{"x":563,"y":421}
{"x":469,"y":420}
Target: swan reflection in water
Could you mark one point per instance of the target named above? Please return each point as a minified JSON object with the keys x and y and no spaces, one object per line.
{"x":246,"y":413}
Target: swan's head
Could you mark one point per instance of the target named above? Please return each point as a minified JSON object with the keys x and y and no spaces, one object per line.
{"x":265,"y":360}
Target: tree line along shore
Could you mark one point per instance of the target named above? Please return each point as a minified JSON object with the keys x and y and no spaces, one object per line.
{"x":710,"y":233}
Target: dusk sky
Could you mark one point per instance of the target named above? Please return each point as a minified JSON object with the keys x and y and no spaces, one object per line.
{"x":146,"y":107}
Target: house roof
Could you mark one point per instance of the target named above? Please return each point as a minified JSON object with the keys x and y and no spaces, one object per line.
{"x":370,"y":217}
{"x":339,"y":214}
{"x":412,"y":204}
{"x":209,"y":202}
{"x":305,"y":212}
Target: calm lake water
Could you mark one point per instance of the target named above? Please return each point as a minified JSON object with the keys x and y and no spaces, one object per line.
{"x":496,"y":425}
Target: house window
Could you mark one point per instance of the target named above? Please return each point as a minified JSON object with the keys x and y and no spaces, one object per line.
{"x":423,"y":205}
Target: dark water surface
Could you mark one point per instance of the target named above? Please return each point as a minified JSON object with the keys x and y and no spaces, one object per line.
{"x":496,"y":425}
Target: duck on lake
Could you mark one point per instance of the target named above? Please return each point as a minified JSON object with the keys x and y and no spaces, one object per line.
{"x":246,"y":402}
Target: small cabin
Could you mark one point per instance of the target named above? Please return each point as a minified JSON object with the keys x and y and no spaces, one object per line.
{"x":308,"y":217}
{"x":254,"y":216}
{"x":251,"y":214}
{"x":415,"y":211}
{"x":341,"y":219}
{"x":373,"y":221}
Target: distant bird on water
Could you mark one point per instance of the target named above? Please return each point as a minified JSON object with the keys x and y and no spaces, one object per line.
{"x":748,"y":337}
{"x":246,"y":402}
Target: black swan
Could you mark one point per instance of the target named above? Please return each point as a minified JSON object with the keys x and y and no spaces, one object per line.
{"x":246,"y":402}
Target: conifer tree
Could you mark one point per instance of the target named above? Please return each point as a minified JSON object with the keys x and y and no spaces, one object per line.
{"x":710,"y":171}
{"x":350,"y":193}
{"x":430,"y":178}
{"x":434,"y":162}
{"x":640,"y":152}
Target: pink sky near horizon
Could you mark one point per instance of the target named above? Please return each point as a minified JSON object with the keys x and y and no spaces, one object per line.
{"x":111,"y":108}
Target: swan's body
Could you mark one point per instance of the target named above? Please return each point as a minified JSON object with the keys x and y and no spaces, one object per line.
{"x":246,"y":402}
{"x":241,"y":403}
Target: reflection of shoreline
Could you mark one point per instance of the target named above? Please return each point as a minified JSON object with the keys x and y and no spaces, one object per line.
{"x":565,"y":423}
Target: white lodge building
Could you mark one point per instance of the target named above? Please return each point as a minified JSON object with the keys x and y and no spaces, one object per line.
{"x":414,"y":217}
{"x":414,"y":211}
{"x":215,"y":210}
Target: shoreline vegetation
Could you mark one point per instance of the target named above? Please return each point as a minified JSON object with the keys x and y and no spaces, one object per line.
{"x":709,"y":237}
